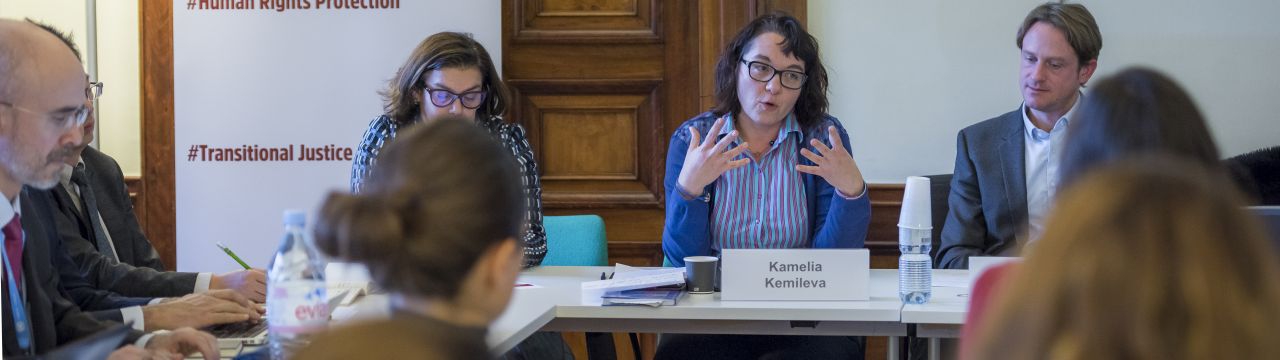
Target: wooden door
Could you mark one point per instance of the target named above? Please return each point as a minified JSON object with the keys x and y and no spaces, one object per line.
{"x":600,"y":85}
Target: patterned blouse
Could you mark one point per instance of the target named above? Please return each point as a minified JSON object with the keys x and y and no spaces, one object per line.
{"x":382,"y":130}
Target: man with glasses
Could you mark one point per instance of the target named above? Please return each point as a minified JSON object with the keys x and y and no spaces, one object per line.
{"x":1006,"y":170}
{"x":42,"y":110}
{"x":101,"y":234}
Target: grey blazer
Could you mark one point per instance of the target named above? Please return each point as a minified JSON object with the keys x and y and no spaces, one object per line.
{"x":988,"y":200}
{"x":101,"y":304}
{"x":134,"y":275}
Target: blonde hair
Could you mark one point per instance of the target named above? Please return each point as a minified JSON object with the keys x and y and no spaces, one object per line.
{"x":1146,"y":258}
{"x":1074,"y":21}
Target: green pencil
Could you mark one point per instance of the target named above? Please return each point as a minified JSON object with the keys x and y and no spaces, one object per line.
{"x":233,"y":255}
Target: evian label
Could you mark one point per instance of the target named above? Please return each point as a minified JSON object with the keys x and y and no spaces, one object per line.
{"x":298,"y":306}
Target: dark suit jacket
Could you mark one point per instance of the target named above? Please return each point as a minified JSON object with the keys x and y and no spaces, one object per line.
{"x":988,"y":201}
{"x":141,"y":279}
{"x":116,"y":209}
{"x":54,"y":319}
{"x":102,"y":304}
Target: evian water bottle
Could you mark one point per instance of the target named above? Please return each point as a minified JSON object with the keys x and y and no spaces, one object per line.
{"x":296,"y":303}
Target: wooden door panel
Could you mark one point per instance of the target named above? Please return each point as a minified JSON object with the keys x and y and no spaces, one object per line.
{"x":600,"y":85}
{"x":564,"y":61}
{"x":589,"y":137}
{"x":589,"y":144}
{"x":604,"y":21}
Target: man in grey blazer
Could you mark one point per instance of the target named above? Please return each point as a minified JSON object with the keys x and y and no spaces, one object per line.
{"x":1006,"y":170}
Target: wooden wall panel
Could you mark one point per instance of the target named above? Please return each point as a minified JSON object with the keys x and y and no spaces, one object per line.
{"x":155,"y":28}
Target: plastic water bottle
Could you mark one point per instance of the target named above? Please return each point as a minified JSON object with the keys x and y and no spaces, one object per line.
{"x":915,"y":240}
{"x":297,"y":305}
{"x":915,"y":266}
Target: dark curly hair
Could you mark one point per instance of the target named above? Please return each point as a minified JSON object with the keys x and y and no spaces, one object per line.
{"x":812,"y":104}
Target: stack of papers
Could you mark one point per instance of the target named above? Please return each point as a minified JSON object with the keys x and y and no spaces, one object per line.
{"x":350,"y":279}
{"x":646,"y":297}
{"x":632,"y":286}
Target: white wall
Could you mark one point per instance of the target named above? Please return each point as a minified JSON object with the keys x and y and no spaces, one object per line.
{"x":907,"y":75}
{"x":119,"y":115}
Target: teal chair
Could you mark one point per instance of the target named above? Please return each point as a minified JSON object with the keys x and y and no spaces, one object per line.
{"x":579,"y":240}
{"x":575,"y":240}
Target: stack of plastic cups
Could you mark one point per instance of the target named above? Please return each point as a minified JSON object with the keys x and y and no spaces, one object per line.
{"x":915,"y":227}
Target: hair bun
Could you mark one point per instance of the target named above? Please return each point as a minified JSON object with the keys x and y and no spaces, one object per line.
{"x":358,"y":228}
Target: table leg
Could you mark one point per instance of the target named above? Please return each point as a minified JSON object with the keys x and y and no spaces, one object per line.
{"x":892,"y":348}
{"x":935,"y":348}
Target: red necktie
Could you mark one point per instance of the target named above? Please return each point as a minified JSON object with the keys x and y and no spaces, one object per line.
{"x":13,"y":246}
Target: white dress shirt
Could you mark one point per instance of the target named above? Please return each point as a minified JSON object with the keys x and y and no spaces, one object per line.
{"x":1043,"y":153}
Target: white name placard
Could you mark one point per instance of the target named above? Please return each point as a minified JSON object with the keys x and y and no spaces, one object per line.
{"x":980,"y":264}
{"x":795,"y":274}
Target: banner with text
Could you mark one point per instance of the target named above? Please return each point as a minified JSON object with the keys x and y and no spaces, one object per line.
{"x":271,"y":98}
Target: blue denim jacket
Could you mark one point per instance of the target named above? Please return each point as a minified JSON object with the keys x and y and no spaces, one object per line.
{"x":835,"y":222}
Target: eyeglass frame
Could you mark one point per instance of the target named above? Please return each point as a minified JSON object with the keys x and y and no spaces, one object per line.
{"x":74,"y":118}
{"x":454,"y":97}
{"x":774,"y":72}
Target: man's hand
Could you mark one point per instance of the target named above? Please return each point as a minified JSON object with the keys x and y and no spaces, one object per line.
{"x":185,"y":341}
{"x":200,"y":310}
{"x":251,"y":283}
{"x":136,"y":353}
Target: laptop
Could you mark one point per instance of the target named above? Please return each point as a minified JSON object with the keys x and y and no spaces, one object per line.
{"x":1270,"y":216}
{"x":254,"y":333}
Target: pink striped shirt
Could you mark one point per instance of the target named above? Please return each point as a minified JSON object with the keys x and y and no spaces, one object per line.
{"x":762,"y":204}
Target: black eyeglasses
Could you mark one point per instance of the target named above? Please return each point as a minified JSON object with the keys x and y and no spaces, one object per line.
{"x":443,"y":98}
{"x":762,"y":72}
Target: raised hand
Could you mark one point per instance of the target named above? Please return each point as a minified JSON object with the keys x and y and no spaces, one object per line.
{"x":707,"y":159}
{"x":834,"y":164}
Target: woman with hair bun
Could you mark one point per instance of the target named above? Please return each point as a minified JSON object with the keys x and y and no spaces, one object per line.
{"x":436,"y":224}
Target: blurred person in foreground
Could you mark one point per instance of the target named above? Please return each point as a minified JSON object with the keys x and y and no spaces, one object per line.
{"x":449,"y":272}
{"x":1146,"y":258}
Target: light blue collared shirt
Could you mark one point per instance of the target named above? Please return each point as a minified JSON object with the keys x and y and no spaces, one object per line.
{"x":1043,"y":153}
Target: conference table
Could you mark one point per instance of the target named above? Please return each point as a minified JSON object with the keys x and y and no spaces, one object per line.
{"x":943,"y":315}
{"x":551,"y":301}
